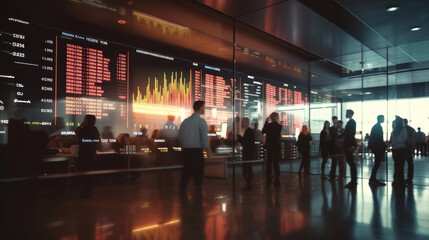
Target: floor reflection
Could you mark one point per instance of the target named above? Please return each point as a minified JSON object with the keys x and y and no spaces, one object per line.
{"x":301,"y":208}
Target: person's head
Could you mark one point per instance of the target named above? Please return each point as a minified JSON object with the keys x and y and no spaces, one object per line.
{"x":349,"y":113}
{"x":419,"y":129}
{"x":212,"y":129}
{"x":171,"y":118}
{"x":155,"y":134}
{"x":143,"y":131}
{"x":326,"y":125}
{"x":405,"y":122}
{"x":304,"y":129}
{"x":199,"y":107}
{"x":340,"y":124}
{"x":380,"y":118}
{"x":245,"y":123}
{"x":274,"y":117}
{"x":256,"y":125}
{"x":89,"y":120}
{"x":334,"y":120}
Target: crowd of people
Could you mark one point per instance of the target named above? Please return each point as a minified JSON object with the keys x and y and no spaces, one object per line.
{"x":337,"y":143}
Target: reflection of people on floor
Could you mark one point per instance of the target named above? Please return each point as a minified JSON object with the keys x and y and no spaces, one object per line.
{"x":273,"y":214}
{"x":376,"y":224}
{"x":349,"y":147}
{"x":410,"y":145}
{"x":377,"y":146}
{"x":192,"y":217}
{"x":248,"y":143}
{"x":89,"y":137}
{"x":303,"y":143}
{"x":272,"y":129}
{"x":403,"y":207}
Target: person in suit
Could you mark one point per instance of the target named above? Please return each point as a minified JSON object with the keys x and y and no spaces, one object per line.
{"x":304,"y":140}
{"x":273,"y":129}
{"x":325,"y":145}
{"x":89,"y":137}
{"x":421,"y":142}
{"x":410,"y":145}
{"x":248,"y":143}
{"x":333,"y":132}
{"x":377,"y":146}
{"x":349,"y":147}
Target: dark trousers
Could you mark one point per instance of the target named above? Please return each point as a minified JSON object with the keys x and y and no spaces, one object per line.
{"x":305,"y":163}
{"x":378,"y":157}
{"x":352,"y":164}
{"x":399,"y":157}
{"x":247,"y":172}
{"x":410,"y":163}
{"x":273,"y":161}
{"x":422,"y":148}
{"x":333,"y":171}
{"x":193,"y":167}
{"x":325,"y":155}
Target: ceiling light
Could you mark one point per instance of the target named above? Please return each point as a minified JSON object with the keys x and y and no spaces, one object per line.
{"x":392,"y":8}
{"x":122,"y":21}
{"x":416,"y":28}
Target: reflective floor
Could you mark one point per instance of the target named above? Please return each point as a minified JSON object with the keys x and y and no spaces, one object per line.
{"x":306,"y":208}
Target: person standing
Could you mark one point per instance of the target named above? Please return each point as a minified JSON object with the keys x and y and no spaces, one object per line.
{"x":349,"y":147}
{"x":410,"y":146}
{"x":273,"y":129}
{"x":334,"y":159}
{"x":377,"y":146}
{"x":304,"y":140}
{"x":193,"y":138}
{"x":400,"y":153}
{"x":88,"y":139}
{"x":248,"y":143}
{"x":421,"y":142}
{"x":325,"y":145}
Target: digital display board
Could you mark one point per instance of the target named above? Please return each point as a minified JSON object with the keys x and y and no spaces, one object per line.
{"x":53,"y":78}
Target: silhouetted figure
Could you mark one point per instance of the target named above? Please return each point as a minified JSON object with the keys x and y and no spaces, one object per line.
{"x":398,"y":140}
{"x":88,"y":137}
{"x":349,"y":147}
{"x":410,"y":145}
{"x":334,"y":159}
{"x":325,"y":145}
{"x":339,"y":150}
{"x":193,"y":137}
{"x":377,"y":146}
{"x":304,"y":140}
{"x":273,"y":129}
{"x":258,"y":134}
{"x":421,"y":142}
{"x":169,"y":131}
{"x":248,"y":143}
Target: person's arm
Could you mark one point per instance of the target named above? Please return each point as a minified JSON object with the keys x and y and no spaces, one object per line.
{"x":264,"y":129}
{"x":204,"y":138}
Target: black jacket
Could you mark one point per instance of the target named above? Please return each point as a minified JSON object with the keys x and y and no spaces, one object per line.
{"x":273,"y":131}
{"x":304,"y":143}
{"x":349,"y":134}
{"x":248,"y":143}
{"x":376,"y":142}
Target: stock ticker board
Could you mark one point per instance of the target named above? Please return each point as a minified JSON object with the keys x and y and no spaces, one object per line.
{"x":53,"y":78}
